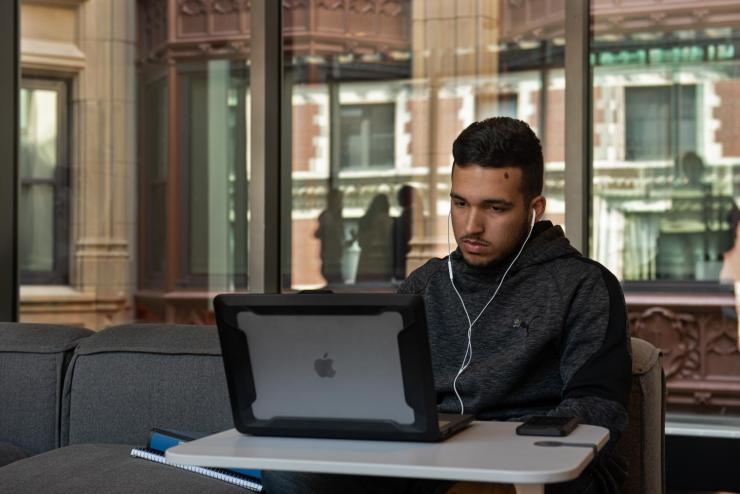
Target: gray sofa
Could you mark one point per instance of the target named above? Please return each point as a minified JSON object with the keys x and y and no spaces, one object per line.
{"x":74,"y":402}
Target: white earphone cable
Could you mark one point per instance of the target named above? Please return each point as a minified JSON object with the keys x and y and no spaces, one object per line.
{"x":468,"y":357}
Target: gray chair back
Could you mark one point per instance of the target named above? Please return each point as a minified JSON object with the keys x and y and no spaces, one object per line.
{"x":643,"y":443}
{"x":126,"y":380}
{"x":33,"y":359}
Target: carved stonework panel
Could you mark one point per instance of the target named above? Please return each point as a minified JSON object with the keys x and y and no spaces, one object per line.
{"x":193,"y":7}
{"x":226,"y":6}
{"x":722,"y":359}
{"x":361,"y":6}
{"x":330,"y":4}
{"x":393,"y":8}
{"x":152,"y":25}
{"x":296,"y":4}
{"x":211,"y":18}
{"x":676,"y":335}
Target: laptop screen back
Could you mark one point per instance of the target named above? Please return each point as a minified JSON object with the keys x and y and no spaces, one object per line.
{"x":326,"y":366}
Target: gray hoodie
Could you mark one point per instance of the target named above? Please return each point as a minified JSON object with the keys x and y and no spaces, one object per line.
{"x":553,"y":341}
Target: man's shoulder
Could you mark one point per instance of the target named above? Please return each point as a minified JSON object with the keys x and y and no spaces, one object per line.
{"x":578,"y":268}
{"x":419,"y":278}
{"x":576,"y":275}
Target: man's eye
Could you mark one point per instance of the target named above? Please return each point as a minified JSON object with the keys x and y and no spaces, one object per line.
{"x":497,"y":209}
{"x":459,"y":204}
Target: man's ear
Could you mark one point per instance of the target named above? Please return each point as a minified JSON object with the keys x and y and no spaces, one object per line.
{"x":538,"y":204}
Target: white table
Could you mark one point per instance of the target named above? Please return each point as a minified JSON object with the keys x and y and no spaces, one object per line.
{"x":484,"y":452}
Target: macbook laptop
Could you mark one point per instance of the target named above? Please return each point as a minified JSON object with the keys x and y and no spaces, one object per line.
{"x":353,"y":366}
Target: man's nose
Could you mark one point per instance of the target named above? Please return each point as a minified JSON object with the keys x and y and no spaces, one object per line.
{"x":474,"y":223}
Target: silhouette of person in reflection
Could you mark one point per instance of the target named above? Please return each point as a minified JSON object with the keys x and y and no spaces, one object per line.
{"x":402,"y":231}
{"x":374,"y":235}
{"x":696,"y":230}
{"x":331,"y":234}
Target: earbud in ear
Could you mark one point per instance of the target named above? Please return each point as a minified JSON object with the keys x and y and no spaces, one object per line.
{"x":534,"y":216}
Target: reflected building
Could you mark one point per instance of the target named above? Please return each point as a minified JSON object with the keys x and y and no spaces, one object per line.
{"x":151,"y":176}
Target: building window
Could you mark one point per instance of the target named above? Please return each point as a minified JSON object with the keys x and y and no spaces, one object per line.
{"x":44,"y":178}
{"x":213,"y":157}
{"x":367,"y":135}
{"x":660,"y":122}
{"x":496,"y":105}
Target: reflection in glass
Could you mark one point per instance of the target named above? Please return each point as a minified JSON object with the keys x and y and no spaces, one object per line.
{"x":666,"y":158}
{"x":377,"y":96}
{"x":215,"y":157}
{"x":36,"y":227}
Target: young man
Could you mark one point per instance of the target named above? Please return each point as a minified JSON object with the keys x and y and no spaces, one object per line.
{"x":519,"y":322}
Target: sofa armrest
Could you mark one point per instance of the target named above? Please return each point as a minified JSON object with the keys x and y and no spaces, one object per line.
{"x":125,"y":380}
{"x":33,"y":359}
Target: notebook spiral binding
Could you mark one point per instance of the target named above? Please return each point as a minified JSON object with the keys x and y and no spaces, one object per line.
{"x":214,"y":473}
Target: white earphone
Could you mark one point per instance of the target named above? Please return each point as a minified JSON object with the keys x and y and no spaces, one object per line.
{"x":469,"y":350}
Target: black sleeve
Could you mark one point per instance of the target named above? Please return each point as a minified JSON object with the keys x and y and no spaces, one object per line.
{"x":596,"y":364}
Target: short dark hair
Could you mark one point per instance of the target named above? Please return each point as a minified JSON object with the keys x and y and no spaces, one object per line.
{"x":500,"y":142}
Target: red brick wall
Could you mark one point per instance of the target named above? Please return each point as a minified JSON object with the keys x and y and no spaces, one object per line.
{"x":304,"y":131}
{"x":305,"y":255}
{"x":728,"y":114}
{"x":555,"y":126}
{"x":599,"y":116}
{"x":554,"y":149}
{"x":418,"y":128}
{"x":448,"y":127}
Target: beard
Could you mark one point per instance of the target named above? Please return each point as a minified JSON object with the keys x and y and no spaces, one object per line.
{"x":506,"y":256}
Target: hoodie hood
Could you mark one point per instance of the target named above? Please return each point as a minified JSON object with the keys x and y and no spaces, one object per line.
{"x":546,"y":243}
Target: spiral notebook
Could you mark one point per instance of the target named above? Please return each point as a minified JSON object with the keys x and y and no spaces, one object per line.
{"x":215,"y":473}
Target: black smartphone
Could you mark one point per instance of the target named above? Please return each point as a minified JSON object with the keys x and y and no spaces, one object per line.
{"x":543,"y":425}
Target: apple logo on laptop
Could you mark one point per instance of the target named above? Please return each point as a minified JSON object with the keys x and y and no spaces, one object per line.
{"x":323,"y":366}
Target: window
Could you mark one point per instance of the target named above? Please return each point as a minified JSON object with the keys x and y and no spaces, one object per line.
{"x":44,"y":174}
{"x":665,"y":192}
{"x":659,"y":119}
{"x":496,"y":105}
{"x":367,"y":135}
{"x":213,"y":156}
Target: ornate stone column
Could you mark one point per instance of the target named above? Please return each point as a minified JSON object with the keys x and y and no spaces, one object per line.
{"x":103,"y":164}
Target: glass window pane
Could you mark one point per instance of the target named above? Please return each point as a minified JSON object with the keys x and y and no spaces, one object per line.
{"x":141,"y":208}
{"x":372,"y":124}
{"x":38,"y":132}
{"x":216,"y":159}
{"x":43,"y":204}
{"x":195,"y":205}
{"x":36,"y":228}
{"x":665,"y":190}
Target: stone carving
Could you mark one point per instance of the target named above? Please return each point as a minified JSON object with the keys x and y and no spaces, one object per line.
{"x":331,"y":4}
{"x":193,"y":7}
{"x":393,"y":8}
{"x":361,"y":6}
{"x":226,"y":6}
{"x":295,"y":4}
{"x":676,"y":335}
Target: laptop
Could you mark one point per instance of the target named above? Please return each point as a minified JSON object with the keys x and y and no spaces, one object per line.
{"x":349,"y":366}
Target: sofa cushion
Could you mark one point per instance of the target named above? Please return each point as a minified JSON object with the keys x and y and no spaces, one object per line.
{"x":33,"y":358}
{"x":109,"y":468}
{"x":10,"y":453}
{"x":126,"y":380}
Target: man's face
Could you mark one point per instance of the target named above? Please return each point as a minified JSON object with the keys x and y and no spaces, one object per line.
{"x":489,"y":215}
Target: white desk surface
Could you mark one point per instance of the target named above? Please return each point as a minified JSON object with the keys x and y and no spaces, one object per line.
{"x":484,"y":452}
